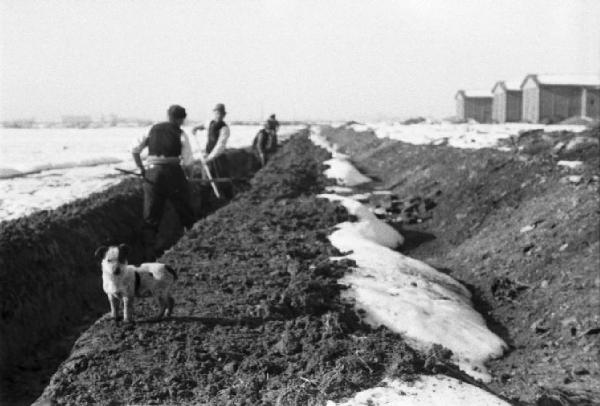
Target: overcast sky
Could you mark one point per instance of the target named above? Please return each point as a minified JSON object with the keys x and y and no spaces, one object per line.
{"x":302,"y":59}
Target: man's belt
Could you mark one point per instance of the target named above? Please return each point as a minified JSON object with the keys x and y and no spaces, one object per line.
{"x":162,"y":160}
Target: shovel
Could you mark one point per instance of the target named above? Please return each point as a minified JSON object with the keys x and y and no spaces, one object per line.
{"x":213,"y":180}
{"x":209,"y":177}
{"x":206,"y":170}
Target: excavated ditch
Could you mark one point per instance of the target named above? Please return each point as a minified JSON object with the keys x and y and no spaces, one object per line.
{"x":259,"y":317}
{"x":521,"y":229}
{"x":50,"y":287}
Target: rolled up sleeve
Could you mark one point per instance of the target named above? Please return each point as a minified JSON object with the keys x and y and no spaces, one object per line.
{"x":187,"y":157}
{"x":221,"y":143}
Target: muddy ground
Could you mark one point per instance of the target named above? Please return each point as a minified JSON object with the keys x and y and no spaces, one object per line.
{"x":259,"y":319}
{"x":521,"y":231}
{"x":50,"y":290}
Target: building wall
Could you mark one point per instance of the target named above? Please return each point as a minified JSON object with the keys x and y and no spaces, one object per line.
{"x":593,"y":104}
{"x":531,"y":102}
{"x":514,"y":106}
{"x":499,"y":107}
{"x":460,"y":108}
{"x":507,"y":106}
{"x":479,"y":109}
{"x":558,"y":103}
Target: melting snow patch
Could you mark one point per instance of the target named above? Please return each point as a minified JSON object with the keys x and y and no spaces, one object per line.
{"x":340,"y":167}
{"x":470,"y":135}
{"x":428,"y":390}
{"x":368,"y":226}
{"x":414,"y":299}
{"x":339,"y":189}
{"x":570,"y":164}
{"x":344,"y":172}
{"x":409,"y":296}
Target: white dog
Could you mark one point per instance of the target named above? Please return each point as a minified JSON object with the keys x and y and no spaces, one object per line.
{"x":123,"y":281}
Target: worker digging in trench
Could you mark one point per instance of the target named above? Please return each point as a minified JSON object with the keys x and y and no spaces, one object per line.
{"x":217,"y":132}
{"x":168,"y":168}
{"x":265,"y":142}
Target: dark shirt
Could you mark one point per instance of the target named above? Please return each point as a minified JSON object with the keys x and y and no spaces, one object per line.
{"x":265,"y":141}
{"x":214,"y":129}
{"x":273,"y":124}
{"x":164,"y":139}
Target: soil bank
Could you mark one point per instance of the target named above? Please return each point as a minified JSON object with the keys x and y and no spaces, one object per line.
{"x":521,"y":230}
{"x":50,"y":289}
{"x":259,"y":319}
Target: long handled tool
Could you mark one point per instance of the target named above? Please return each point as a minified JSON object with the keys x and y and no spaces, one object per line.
{"x":213,"y":180}
{"x":209,"y":177}
{"x":206,"y":169}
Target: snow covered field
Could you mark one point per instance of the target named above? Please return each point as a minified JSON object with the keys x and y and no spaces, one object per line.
{"x":411,"y":298}
{"x":457,"y":135}
{"x":44,"y":168}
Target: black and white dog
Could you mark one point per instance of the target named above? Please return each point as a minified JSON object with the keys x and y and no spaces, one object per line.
{"x":123,"y":281}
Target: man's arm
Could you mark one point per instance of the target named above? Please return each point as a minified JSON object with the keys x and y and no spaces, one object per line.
{"x":198,"y":128}
{"x":136,"y":151}
{"x":187,"y":157}
{"x":221,"y":144}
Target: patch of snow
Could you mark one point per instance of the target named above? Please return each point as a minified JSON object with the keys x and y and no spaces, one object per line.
{"x":41,"y":169}
{"x":344,"y":172}
{"x":407,"y":295}
{"x":339,"y":189}
{"x":368,"y":226}
{"x":527,"y":228}
{"x":467,"y":135}
{"x":340,"y":167}
{"x":437,"y":390}
{"x":570,"y":164}
{"x":361,"y":197}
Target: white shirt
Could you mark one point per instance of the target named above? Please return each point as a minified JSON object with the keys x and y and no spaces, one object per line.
{"x":221,"y":142}
{"x":186,"y":157}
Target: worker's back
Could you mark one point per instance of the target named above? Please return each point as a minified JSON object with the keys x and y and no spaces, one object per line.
{"x":164,"y":139}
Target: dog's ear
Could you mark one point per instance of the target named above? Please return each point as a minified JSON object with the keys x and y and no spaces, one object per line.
{"x":100,"y":251}
{"x":123,"y":252}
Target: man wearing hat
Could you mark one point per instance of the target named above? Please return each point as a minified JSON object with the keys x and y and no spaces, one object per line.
{"x":169,"y":160}
{"x":273,"y":124}
{"x":265,"y":143}
{"x":217,"y":134}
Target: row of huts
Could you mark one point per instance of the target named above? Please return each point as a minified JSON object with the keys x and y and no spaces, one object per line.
{"x":536,"y":99}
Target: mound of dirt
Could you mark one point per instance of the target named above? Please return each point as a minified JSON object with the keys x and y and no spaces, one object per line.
{"x":259,"y":319}
{"x":50,"y":287}
{"x":522,"y":229}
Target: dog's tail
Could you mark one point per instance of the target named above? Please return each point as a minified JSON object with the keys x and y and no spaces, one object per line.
{"x":171,"y":271}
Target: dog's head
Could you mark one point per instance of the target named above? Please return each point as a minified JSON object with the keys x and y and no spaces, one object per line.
{"x":114,"y":258}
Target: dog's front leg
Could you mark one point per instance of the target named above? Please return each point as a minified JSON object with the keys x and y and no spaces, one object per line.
{"x":114,"y":307}
{"x":128,"y":309}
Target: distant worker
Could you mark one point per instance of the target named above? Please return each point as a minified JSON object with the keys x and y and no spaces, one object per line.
{"x":217,"y":134}
{"x":265,"y":143}
{"x":273,"y":124}
{"x":168,"y":150}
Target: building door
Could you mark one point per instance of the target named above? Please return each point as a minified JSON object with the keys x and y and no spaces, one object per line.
{"x":593,"y":104}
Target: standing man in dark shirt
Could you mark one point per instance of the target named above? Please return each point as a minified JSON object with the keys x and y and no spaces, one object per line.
{"x":265,"y":143}
{"x":217,"y":134}
{"x":273,"y":124}
{"x":168,"y":150}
